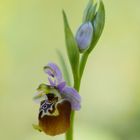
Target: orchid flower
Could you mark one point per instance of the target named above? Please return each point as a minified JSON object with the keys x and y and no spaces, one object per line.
{"x":56,"y":100}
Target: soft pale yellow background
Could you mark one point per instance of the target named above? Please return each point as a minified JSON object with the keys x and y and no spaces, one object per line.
{"x":30,"y":32}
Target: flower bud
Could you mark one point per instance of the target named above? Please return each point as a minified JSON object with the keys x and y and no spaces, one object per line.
{"x":84,"y":36}
{"x":95,"y":13}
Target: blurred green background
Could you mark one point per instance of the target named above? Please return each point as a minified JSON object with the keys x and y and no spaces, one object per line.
{"x":30,"y":33}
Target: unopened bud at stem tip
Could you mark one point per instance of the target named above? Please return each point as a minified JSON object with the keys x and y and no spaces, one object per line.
{"x":84,"y":36}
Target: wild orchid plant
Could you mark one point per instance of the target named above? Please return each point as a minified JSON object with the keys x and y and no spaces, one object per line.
{"x":58,"y":101}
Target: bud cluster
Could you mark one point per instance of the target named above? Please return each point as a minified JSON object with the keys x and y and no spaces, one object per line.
{"x":93,"y":22}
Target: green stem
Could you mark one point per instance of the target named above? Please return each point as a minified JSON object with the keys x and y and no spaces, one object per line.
{"x":69,"y":134}
{"x":77,"y":81}
{"x":82,"y":64}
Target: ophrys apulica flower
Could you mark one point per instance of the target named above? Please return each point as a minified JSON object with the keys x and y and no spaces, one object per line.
{"x":56,"y":100}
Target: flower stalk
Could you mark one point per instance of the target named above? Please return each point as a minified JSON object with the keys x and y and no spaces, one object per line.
{"x":57,"y":99}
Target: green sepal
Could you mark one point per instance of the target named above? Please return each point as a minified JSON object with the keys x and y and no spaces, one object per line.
{"x":64,"y":67}
{"x":37,"y":127}
{"x":90,"y":11}
{"x":71,"y":45}
{"x":98,"y":25}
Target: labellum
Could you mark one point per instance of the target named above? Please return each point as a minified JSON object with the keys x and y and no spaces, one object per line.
{"x":54,"y":115}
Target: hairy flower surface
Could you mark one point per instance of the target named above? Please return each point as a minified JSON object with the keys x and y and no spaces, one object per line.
{"x":56,"y":100}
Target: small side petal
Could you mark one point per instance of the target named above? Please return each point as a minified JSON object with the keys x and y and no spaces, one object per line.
{"x":73,"y":97}
{"x":52,"y":82}
{"x":53,"y":71}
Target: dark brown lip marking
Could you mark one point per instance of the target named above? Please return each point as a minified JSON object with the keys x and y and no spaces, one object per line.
{"x":52,"y":98}
{"x":54,"y":125}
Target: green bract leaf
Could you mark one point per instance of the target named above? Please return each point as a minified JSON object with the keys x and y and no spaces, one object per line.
{"x":86,"y":11}
{"x":64,"y":67}
{"x":72,"y":49}
{"x":90,"y":11}
{"x":98,"y":25}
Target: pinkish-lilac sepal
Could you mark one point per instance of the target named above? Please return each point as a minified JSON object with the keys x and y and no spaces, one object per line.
{"x":72,"y":96}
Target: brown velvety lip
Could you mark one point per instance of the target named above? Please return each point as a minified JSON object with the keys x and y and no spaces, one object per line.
{"x":55,"y":125}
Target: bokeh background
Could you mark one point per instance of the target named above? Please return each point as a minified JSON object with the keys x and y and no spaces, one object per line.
{"x":30,"y":33}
